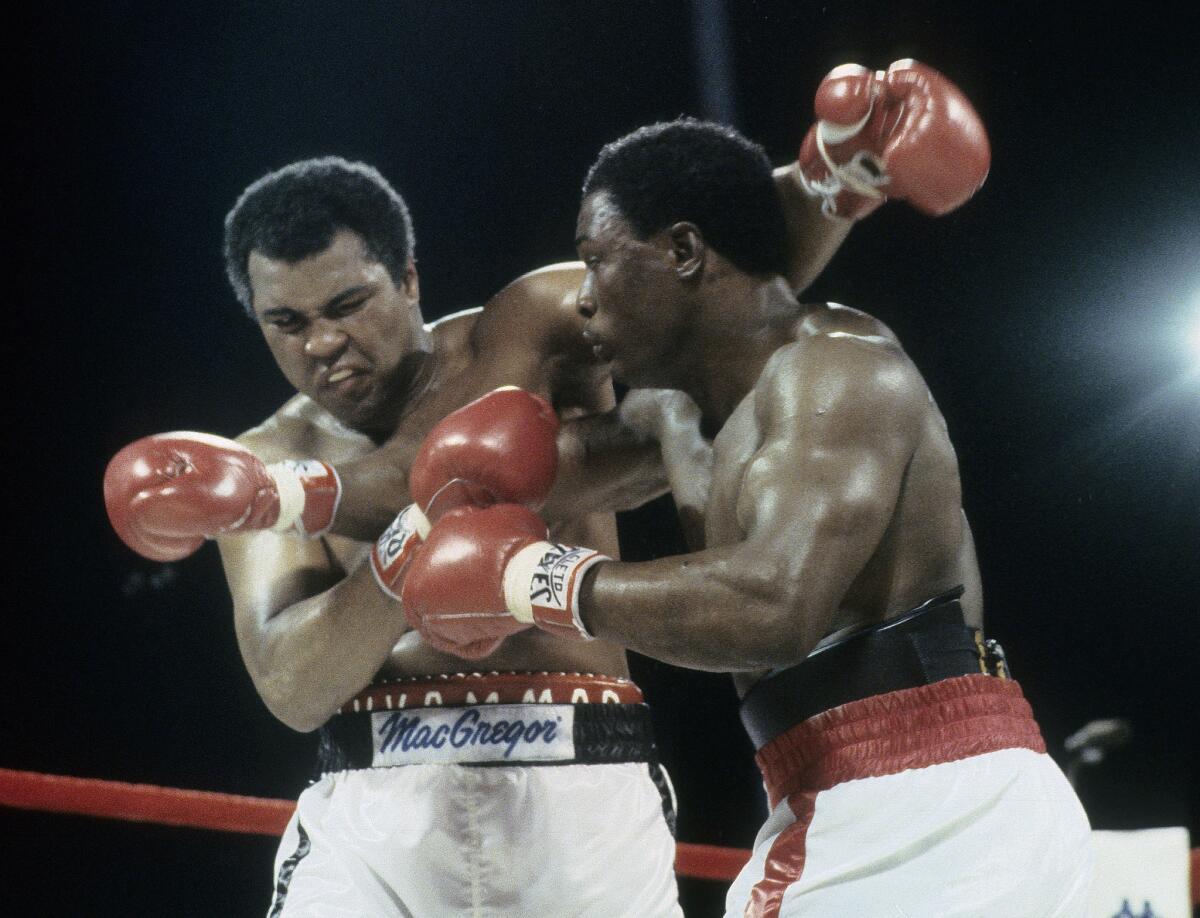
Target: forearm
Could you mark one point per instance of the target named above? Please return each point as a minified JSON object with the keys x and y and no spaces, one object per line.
{"x":813,"y":237}
{"x":311,"y":657}
{"x":712,"y":610}
{"x":604,"y":467}
{"x":374,"y":490}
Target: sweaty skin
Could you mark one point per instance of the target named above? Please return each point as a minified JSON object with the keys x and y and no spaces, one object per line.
{"x":608,"y":461}
{"x":833,"y":499}
{"x":313,"y":626}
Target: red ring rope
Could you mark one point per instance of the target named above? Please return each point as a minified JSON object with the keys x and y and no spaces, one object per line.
{"x":30,"y":790}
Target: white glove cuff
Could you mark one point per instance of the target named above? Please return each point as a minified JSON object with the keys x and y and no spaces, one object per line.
{"x":291,"y":495}
{"x":542,"y":584}
{"x":418,"y":520}
{"x":394,"y":548}
{"x":517,"y":576}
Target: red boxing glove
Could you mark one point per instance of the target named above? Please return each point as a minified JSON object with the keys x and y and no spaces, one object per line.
{"x":167,"y":493}
{"x":907,"y":133}
{"x":393,"y":552}
{"x":483,"y":575}
{"x":500,"y":448}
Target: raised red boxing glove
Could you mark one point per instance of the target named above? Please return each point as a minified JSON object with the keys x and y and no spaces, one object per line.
{"x":906,"y":133}
{"x":482,"y":575}
{"x":500,"y":448}
{"x":167,"y":493}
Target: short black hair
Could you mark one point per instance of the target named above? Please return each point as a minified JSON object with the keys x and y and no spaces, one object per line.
{"x":294,"y":212}
{"x":702,"y":172}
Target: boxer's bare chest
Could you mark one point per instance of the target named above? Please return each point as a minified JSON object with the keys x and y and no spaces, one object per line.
{"x":717,"y":478}
{"x":414,"y":424}
{"x":733,"y":449}
{"x":411,"y":656}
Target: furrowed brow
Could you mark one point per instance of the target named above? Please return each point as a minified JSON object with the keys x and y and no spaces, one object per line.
{"x":348,"y":294}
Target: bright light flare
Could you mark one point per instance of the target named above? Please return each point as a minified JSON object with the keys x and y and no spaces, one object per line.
{"x":1193,"y":338}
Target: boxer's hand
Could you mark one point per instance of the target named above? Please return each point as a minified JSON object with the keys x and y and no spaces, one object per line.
{"x":167,"y":493}
{"x":907,"y":133}
{"x":482,"y":575}
{"x":500,"y":448}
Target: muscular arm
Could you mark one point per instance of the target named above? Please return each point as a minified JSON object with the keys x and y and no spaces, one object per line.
{"x":310,"y":636}
{"x":813,"y":238}
{"x":529,"y":335}
{"x":649,"y":445}
{"x":838,"y":428}
{"x":611,"y":461}
{"x":374,"y":489}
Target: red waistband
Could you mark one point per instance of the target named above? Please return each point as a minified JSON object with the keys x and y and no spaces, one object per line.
{"x":494,"y":688}
{"x":912,"y":728}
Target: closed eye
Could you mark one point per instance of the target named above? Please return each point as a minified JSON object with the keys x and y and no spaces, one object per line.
{"x":345,"y":309}
{"x":283,"y":319}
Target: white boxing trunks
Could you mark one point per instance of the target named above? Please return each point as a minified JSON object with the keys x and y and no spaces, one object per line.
{"x":937,"y":800}
{"x":505,"y":794}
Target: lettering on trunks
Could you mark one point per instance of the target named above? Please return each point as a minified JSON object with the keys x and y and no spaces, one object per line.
{"x":549,"y":586}
{"x":495,"y":733}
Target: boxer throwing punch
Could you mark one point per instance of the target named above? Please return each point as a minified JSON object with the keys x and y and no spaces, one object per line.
{"x":321,"y":255}
{"x":837,"y":580}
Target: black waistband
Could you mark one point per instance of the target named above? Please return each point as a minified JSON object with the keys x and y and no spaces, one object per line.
{"x":925,"y":645}
{"x":603,"y":734}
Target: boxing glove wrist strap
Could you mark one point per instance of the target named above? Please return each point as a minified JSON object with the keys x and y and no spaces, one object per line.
{"x":852,"y":174}
{"x":309,"y":494}
{"x":394,"y":549}
{"x":542,"y":583}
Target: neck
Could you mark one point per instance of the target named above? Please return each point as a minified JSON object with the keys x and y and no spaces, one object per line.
{"x":743,"y":320}
{"x":413,"y":378}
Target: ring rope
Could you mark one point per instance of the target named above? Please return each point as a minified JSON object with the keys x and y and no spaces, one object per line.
{"x":30,"y":790}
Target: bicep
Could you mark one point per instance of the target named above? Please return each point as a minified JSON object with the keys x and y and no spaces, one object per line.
{"x":821,"y":490}
{"x":269,"y":573}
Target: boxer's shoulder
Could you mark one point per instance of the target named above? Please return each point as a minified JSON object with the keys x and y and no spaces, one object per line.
{"x":452,"y":333}
{"x":838,"y":354}
{"x":301,"y":427}
{"x":843,"y":321}
{"x":551,"y":285}
{"x":530,"y":334}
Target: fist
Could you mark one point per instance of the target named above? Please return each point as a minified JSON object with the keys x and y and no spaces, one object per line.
{"x":906,"y":133}
{"x":454,"y":587}
{"x":167,"y":493}
{"x":501,"y":448}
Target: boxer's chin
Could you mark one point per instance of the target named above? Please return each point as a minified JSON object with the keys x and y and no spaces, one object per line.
{"x":357,"y":410}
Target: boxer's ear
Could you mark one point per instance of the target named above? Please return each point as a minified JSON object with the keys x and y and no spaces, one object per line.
{"x":411,"y":284}
{"x":688,"y":250}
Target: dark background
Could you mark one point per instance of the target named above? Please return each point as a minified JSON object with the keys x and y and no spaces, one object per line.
{"x":1048,"y":316}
